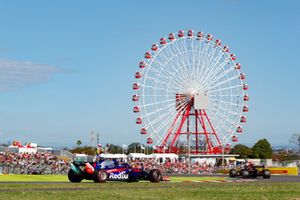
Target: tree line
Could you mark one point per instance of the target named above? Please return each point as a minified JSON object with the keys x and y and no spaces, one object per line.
{"x":261,"y":149}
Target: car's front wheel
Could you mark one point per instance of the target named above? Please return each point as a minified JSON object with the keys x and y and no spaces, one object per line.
{"x":155,"y":176}
{"x":232,"y":173}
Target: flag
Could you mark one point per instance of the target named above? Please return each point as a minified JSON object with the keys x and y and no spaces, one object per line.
{"x":142,"y":147}
{"x":124,"y":146}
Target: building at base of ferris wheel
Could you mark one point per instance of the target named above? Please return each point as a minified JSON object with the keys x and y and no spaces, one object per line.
{"x":190,"y":95}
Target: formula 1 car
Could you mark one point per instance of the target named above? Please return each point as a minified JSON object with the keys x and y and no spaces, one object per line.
{"x":250,"y":171}
{"x":108,"y":170}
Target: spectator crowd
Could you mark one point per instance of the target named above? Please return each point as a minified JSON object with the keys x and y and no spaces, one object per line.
{"x":32,"y":163}
{"x":48,"y":163}
{"x":177,"y":167}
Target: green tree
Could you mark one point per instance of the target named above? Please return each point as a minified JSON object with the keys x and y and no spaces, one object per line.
{"x":243,"y":150}
{"x":262,"y":149}
{"x":134,"y":147}
{"x":86,"y":150}
{"x":115,"y":149}
{"x":78,"y":142}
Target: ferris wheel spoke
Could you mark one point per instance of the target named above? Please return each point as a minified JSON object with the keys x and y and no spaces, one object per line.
{"x":171,"y":106}
{"x":161,"y":102}
{"x":210,"y":87}
{"x":157,"y":88}
{"x":214,"y":69}
{"x":218,"y":77}
{"x":164,"y":125}
{"x":160,"y":120}
{"x":168,"y":81}
{"x":223,"y":121}
{"x":227,"y":88}
{"x":227,"y":103}
{"x":199,"y":66}
{"x":182,"y":60}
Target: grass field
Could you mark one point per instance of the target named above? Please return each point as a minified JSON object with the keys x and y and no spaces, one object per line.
{"x":63,"y":178}
{"x":145,"y":190}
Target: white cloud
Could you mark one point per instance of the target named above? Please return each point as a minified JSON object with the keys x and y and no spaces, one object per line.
{"x":18,"y":74}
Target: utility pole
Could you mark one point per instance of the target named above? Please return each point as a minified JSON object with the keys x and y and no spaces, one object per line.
{"x":98,"y":138}
{"x":189,"y":143}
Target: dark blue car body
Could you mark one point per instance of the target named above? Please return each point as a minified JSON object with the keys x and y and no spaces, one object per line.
{"x":108,"y":170}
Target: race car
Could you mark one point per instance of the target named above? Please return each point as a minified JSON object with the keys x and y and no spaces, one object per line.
{"x":250,"y":171}
{"x":109,"y":170}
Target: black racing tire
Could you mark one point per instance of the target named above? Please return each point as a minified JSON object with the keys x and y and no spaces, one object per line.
{"x":245,"y":173}
{"x":155,"y":176}
{"x":232,"y":173}
{"x":73,"y":177}
{"x":266,"y":173}
{"x":96,"y":178}
{"x":102,"y":176}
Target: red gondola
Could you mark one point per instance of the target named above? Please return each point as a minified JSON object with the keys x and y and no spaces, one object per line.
{"x":190,"y":33}
{"x":226,"y":49}
{"x":243,"y":119}
{"x":143,"y":131}
{"x":142,"y":64}
{"x":136,"y":109}
{"x":135,"y":97}
{"x":238,"y":66}
{"x":209,"y":37}
{"x":181,"y":33}
{"x":232,"y":57}
{"x":227,"y":148}
{"x":171,"y":36}
{"x":246,"y":98}
{"x":239,"y":129}
{"x":200,"y":35}
{"x":234,"y":139}
{"x":138,"y":75}
{"x":154,"y":47}
{"x":218,"y":42}
{"x":245,"y":87}
{"x":163,"y":41}
{"x":242,"y":76}
{"x":149,"y":141}
{"x":245,"y":109}
{"x":139,"y":120}
{"x":148,"y":55}
{"x":136,"y":86}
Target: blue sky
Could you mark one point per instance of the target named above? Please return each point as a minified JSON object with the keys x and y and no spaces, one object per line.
{"x":66,"y":67}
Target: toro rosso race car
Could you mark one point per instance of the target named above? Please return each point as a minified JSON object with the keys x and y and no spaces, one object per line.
{"x":251,"y":171}
{"x":108,"y":170}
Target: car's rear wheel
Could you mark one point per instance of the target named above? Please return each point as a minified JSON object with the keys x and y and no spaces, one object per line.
{"x":73,"y":177}
{"x":155,"y":176}
{"x":266,"y":173}
{"x":102,"y":176}
{"x":232,"y":173}
{"x":245,"y":174}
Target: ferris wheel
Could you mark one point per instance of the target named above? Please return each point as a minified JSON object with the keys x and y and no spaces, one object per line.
{"x":190,"y":92}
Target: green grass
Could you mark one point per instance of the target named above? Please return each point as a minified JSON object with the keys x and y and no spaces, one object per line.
{"x":144,"y":190}
{"x":63,"y":178}
{"x":33,"y":178}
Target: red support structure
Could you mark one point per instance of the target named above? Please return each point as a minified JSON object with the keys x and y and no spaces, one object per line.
{"x":180,"y":128}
